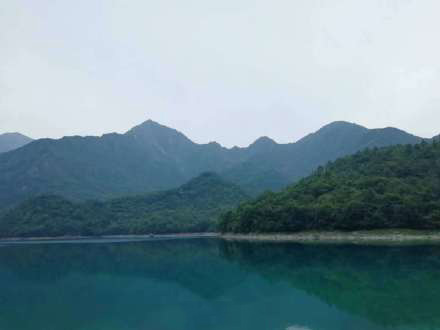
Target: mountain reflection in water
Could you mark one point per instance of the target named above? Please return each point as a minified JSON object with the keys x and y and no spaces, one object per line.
{"x":214,"y":284}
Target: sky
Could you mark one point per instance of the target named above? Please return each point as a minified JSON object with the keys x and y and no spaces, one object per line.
{"x":221,"y":70}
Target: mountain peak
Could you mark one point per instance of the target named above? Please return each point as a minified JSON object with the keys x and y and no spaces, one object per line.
{"x":148,"y":124}
{"x":12,"y":134}
{"x":264,"y":140}
{"x":263,"y":143}
{"x":151,"y":126}
{"x":337,"y":125}
{"x":154,"y":133}
{"x":11,"y":141}
{"x":15,"y":135}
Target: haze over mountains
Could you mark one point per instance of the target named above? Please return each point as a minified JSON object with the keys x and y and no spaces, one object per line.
{"x":153,"y":157}
{"x":11,"y":141}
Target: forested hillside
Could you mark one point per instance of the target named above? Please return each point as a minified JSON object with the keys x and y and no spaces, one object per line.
{"x":153,"y":157}
{"x":392,"y":187}
{"x":194,"y":207}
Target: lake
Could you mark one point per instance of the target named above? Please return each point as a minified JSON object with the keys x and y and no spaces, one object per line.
{"x":204,"y":284}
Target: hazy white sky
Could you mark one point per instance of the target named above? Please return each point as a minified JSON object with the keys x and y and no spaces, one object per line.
{"x":223,"y":70}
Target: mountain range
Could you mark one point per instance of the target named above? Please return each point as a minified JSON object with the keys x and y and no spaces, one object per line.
{"x":152,"y":157}
{"x":11,"y":141}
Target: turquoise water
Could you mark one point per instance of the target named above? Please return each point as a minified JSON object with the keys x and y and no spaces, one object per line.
{"x":211,"y":284}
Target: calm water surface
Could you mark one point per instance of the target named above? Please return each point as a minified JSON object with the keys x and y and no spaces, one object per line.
{"x":211,"y":284}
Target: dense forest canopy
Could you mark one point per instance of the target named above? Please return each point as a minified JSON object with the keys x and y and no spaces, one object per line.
{"x":392,"y":187}
{"x":194,"y":207}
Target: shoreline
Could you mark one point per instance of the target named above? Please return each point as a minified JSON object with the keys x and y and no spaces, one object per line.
{"x":403,"y":236}
{"x":106,"y":237}
{"x":354,"y":237}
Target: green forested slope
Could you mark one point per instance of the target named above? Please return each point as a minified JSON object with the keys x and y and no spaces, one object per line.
{"x":148,"y":158}
{"x":393,"y":187}
{"x":194,"y":207}
{"x":153,"y":157}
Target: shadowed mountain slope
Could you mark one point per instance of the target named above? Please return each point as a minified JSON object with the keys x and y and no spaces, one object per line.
{"x":281,"y":163}
{"x":153,"y":157}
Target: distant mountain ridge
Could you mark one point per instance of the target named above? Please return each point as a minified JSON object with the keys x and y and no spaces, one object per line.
{"x":153,"y":157}
{"x":290,"y":162}
{"x":11,"y":141}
